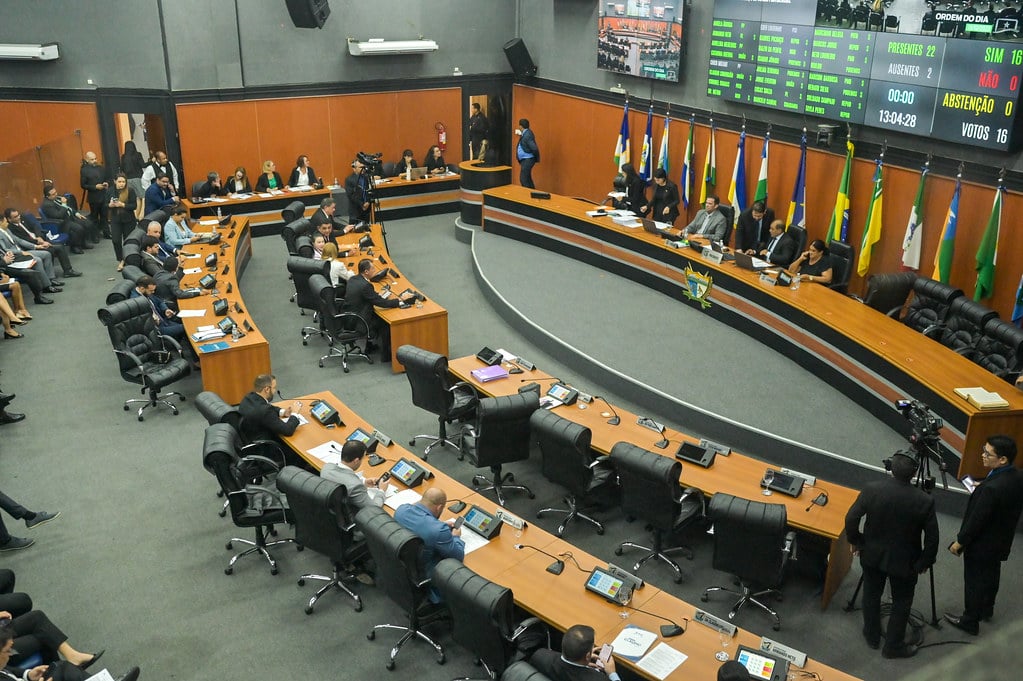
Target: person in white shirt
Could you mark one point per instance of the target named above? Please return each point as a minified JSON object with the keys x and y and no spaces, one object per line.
{"x":338,"y":272}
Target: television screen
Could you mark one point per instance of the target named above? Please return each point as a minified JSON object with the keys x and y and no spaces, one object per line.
{"x":640,"y":38}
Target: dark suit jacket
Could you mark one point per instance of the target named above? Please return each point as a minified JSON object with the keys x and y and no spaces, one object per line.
{"x":635,"y":196}
{"x":355,"y":189}
{"x":262,"y":420}
{"x":229,"y":185}
{"x":263,"y":185}
{"x":748,"y":234}
{"x":206,"y":190}
{"x":313,"y":179}
{"x":361,"y":298}
{"x":784,"y":251}
{"x":89,"y":177}
{"x":897,"y":514}
{"x":168,"y":286}
{"x":992,"y":514}
{"x":550,"y":663}
{"x":57,"y":211}
{"x":664,"y":197}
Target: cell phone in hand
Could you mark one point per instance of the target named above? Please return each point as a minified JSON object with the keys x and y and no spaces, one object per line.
{"x":605,"y":654}
{"x":459,"y":521}
{"x":384,"y":478}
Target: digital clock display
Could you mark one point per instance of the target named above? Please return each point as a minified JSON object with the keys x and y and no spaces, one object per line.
{"x":806,"y":57}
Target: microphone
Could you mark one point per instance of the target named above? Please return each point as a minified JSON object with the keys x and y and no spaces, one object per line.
{"x":667,"y":630}
{"x":456,"y":505}
{"x":554,"y":568}
{"x":614,"y":420}
{"x":548,"y":379}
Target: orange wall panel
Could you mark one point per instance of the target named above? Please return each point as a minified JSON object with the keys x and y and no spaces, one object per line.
{"x":218,"y":136}
{"x":287,"y":128}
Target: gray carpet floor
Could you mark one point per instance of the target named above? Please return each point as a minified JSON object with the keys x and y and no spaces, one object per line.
{"x":135,"y":563}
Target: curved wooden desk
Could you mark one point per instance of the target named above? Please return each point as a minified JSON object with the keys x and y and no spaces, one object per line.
{"x":400,"y":198}
{"x":560,"y":600}
{"x":736,"y":474}
{"x":424,"y":325}
{"x":871,"y":358}
{"x":263,"y":213}
{"x":228,"y":372}
{"x":475,"y":179}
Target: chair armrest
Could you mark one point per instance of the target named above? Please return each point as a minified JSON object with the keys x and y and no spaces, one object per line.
{"x":894,"y":312}
{"x":267,"y":447}
{"x":464,"y":387}
{"x":172,"y":342}
{"x":527,"y":624}
{"x":933,"y":330}
{"x":271,"y":465}
{"x":251,"y":491}
{"x":599,"y":461}
{"x":133,"y":357}
{"x":790,"y":547}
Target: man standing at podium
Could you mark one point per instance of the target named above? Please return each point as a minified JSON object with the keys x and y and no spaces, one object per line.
{"x":897,"y":514}
{"x":985,"y":537}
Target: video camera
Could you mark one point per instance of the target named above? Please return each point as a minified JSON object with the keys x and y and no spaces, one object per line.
{"x":369,"y":160}
{"x":925,"y":423}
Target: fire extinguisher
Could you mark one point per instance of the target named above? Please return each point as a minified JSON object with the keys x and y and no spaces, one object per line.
{"x":442,"y":136}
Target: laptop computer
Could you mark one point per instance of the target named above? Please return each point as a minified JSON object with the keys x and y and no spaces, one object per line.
{"x":718,"y":247}
{"x":652,"y":227}
{"x":787,"y":484}
{"x":701,"y":456}
{"x":748,"y":262}
{"x":418,"y":173}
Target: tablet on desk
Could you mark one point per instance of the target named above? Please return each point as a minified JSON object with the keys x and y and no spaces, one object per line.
{"x":762,"y":666}
{"x":607,"y":586}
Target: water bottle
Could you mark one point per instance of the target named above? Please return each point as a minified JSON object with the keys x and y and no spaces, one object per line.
{"x":219,"y":214}
{"x":796,"y":281}
{"x":235,"y":333}
{"x":408,"y":173}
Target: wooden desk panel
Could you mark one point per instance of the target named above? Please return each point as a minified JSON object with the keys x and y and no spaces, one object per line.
{"x":400,"y":198}
{"x":229,"y":372}
{"x":736,"y":474}
{"x":476,"y":178}
{"x":424,"y":325}
{"x":872,"y":358}
{"x":263,"y":213}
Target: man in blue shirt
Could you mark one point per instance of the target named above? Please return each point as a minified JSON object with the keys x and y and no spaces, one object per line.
{"x":527,"y":153}
{"x":440,"y":539}
{"x":159,"y":194}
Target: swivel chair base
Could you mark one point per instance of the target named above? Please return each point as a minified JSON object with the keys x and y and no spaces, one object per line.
{"x":661,"y":554}
{"x":498,"y":484}
{"x":260,"y":545}
{"x":336,"y":580}
{"x":441,"y":439}
{"x":748,"y":596}
{"x":572,"y":512}
{"x":344,"y":352}
{"x":155,"y":399}
{"x":409,"y":634}
{"x":309,"y":331}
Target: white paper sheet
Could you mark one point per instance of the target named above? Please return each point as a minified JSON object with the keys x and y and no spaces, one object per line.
{"x":191,"y":313}
{"x":662,"y":661}
{"x":406,"y":496}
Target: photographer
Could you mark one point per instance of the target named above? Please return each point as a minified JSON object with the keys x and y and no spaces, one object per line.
{"x":358,"y":187}
{"x":889,"y":546}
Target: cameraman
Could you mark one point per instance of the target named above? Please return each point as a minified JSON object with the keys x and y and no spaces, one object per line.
{"x":357,"y":187}
{"x":897,"y":513}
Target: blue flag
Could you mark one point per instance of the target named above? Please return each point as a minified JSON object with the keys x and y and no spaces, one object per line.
{"x":1017,"y":310}
{"x":646,"y":157}
{"x":797,"y":207}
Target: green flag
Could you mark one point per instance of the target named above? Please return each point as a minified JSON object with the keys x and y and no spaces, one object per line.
{"x":839,"y":227}
{"x":987,"y":253}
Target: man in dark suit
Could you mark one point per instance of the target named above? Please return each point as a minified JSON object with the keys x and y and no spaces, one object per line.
{"x":479,"y":129}
{"x":23,"y":229}
{"x":168,"y":283}
{"x":93,"y":179}
{"x":55,"y":208}
{"x":361,"y":298}
{"x":260,"y":419}
{"x":986,"y":534}
{"x":578,"y":659}
{"x":527,"y":152}
{"x":779,"y":248}
{"x":897,"y":516}
{"x":151,"y":262}
{"x":160,"y":195}
{"x":211,"y":187}
{"x":357,"y":189}
{"x":753,"y":226}
{"x":324,"y":215}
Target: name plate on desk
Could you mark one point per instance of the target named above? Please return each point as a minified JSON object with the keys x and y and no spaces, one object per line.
{"x":715,"y":623}
{"x":710,"y":254}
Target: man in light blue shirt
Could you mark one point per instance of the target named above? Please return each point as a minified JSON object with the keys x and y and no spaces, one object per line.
{"x":176,"y":232}
{"x":440,"y":539}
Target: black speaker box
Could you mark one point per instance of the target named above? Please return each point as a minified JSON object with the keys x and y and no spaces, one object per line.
{"x":518,"y":56}
{"x":308,"y":13}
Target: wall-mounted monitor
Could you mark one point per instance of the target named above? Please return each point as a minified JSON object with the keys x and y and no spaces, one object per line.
{"x":911,"y":67}
{"x":642,"y":38}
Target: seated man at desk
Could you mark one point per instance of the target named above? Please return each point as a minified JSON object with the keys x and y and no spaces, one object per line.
{"x":155,"y":230}
{"x":362,"y":491}
{"x":211,"y":187}
{"x":578,"y":659}
{"x":440,"y":539}
{"x":361,"y":298}
{"x":168,"y":283}
{"x":780,"y":247}
{"x":160,"y":194}
{"x":261,"y":420}
{"x":324,"y":216}
{"x":166,"y":319}
{"x":152,"y":261}
{"x":176,"y":231}
{"x":709,"y":222}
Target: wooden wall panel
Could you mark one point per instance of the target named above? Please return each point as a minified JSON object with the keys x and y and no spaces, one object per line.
{"x":287,"y":128}
{"x":577,"y":138}
{"x":218,"y":136}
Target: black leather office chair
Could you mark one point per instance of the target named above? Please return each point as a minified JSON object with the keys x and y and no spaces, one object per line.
{"x":500,"y":435}
{"x":132,"y":256}
{"x":322,"y":524}
{"x":160,"y":216}
{"x":483,"y":615}
{"x":133,"y":274}
{"x":345,"y":330}
{"x":752,"y":542}
{"x":841,"y":265}
{"x":387,"y":169}
{"x":729,"y":214}
{"x":569,"y":462}
{"x":252,"y":506}
{"x":522,"y":671}
{"x":144,"y":356}
{"x":887,"y":293}
{"x":304,"y":246}
{"x":1000,"y":349}
{"x":301,"y":269}
{"x":891,"y":21}
{"x":964,"y":325}
{"x":135,"y":236}
{"x":215,"y":410}
{"x":652,"y":493}
{"x":196,"y":187}
{"x":929,"y":306}
{"x":799,"y":234}
{"x":121,"y":291}
{"x":293,"y":211}
{"x":395,"y":551}
{"x":433,"y":390}
{"x":292,"y":230}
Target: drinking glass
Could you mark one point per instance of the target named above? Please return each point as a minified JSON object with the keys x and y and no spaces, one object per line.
{"x":768,"y":479}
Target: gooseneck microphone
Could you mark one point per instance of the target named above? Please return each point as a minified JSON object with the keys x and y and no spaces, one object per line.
{"x":614,"y":420}
{"x":554,"y":568}
{"x":667,"y":630}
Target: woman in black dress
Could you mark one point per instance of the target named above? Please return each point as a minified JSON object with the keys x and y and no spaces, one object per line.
{"x":814,"y":264}
{"x":122,"y":203}
{"x":435,"y":164}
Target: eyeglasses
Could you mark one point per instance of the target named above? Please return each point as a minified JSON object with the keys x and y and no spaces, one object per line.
{"x":986,"y":454}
